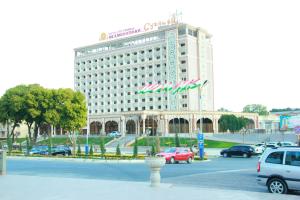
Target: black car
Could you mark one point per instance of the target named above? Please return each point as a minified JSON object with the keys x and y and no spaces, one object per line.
{"x":61,"y":150}
{"x":240,"y":150}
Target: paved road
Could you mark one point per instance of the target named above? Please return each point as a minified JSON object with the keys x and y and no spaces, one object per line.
{"x":231,"y":173}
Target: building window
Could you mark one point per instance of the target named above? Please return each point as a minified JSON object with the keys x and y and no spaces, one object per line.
{"x":151,"y":107}
{"x":183,"y":70}
{"x":184,"y":105}
{"x":183,"y":62}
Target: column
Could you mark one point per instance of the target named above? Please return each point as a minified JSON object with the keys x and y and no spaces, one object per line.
{"x":138,"y":128}
{"x":103,"y":127}
{"x":123,"y":124}
{"x":166,"y":126}
{"x":191,"y":125}
{"x":216,"y":125}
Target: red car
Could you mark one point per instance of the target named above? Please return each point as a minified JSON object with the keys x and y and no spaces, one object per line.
{"x":174,"y":155}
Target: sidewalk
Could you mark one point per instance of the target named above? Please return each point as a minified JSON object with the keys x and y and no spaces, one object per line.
{"x":15,"y":187}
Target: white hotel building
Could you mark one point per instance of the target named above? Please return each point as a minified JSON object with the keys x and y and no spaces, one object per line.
{"x":111,"y":72}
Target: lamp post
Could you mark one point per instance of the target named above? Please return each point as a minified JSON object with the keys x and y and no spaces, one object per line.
{"x":200,"y":134}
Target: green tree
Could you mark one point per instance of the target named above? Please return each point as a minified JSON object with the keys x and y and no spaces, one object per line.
{"x":118,"y":151}
{"x":12,"y":109}
{"x":177,"y":141}
{"x":229,"y":122}
{"x":256,"y":108}
{"x":135,"y":148}
{"x":102,"y":146}
{"x":73,"y":113}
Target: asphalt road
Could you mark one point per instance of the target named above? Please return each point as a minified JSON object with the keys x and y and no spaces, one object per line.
{"x":223,"y":173}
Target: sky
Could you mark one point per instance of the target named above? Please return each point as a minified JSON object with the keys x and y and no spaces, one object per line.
{"x":256,"y":43}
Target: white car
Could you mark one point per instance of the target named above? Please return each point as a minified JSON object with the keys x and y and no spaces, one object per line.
{"x":286,"y":144}
{"x":259,"y":148}
{"x":279,"y":169}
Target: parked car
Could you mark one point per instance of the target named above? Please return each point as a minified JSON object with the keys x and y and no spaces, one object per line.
{"x":174,"y":155}
{"x":279,"y":169}
{"x":61,"y":150}
{"x":41,"y":150}
{"x":286,"y":144}
{"x":259,"y":148}
{"x":115,"y":134}
{"x":240,"y":150}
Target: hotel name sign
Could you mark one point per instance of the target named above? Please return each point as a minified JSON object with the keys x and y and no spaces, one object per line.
{"x":131,"y":31}
{"x":169,"y":87}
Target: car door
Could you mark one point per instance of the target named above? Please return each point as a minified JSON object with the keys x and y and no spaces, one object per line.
{"x":292,"y":169}
{"x":234,"y":151}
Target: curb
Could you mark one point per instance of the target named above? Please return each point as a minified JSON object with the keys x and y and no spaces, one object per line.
{"x":76,"y":160}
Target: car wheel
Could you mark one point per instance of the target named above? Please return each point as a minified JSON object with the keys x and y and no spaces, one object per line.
{"x":245,"y":155}
{"x":277,"y":185}
{"x":225,"y":155}
{"x":172,"y":160}
{"x":189,"y":160}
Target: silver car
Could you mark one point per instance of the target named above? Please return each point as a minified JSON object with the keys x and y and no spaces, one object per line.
{"x":279,"y":169}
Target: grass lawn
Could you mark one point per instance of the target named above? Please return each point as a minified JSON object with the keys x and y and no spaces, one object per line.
{"x":170,"y":142}
{"x":81,"y":140}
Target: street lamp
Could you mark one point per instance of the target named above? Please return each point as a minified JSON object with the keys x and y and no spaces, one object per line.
{"x":200,"y":108}
{"x":200,"y":136}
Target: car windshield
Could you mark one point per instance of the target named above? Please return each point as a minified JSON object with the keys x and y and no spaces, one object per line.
{"x":170,"y":150}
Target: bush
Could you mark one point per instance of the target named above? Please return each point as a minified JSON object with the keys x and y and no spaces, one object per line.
{"x":91,"y":150}
{"x":153,"y":150}
{"x":78,"y":149}
{"x":118,"y":151}
{"x":135,"y":148}
{"x":102,"y":146}
{"x":177,"y":142}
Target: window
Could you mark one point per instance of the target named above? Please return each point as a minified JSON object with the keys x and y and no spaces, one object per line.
{"x":292,"y":158}
{"x":151,"y":107}
{"x":275,"y":157}
{"x":183,"y":70}
{"x":184,"y":105}
{"x":136,"y":108}
{"x":183,"y":62}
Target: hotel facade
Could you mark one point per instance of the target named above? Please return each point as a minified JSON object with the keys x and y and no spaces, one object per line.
{"x":111,"y":72}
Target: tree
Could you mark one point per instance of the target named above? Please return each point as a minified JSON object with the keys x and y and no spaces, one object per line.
{"x":118,"y":151}
{"x":228,"y":122}
{"x":102,"y":146}
{"x":256,"y":108}
{"x":135,"y":148}
{"x":12,"y":109}
{"x":177,"y":141}
{"x":73,"y":112}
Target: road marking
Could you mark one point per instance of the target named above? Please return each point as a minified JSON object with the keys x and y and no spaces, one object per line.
{"x":215,"y":172}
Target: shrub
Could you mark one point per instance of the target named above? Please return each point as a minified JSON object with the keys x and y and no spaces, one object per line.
{"x":28,"y":147}
{"x":153,"y":150}
{"x":118,"y":151}
{"x":102,"y":146}
{"x":91,"y":150}
{"x":78,"y":149}
{"x":177,"y":142}
{"x":135,"y":148}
